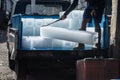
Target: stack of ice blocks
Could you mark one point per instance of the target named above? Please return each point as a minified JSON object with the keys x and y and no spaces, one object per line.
{"x":76,"y":17}
{"x":62,"y":35}
{"x":32,"y":39}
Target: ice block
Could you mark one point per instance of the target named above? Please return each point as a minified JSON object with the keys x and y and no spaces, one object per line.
{"x":76,"y":17}
{"x":63,"y":44}
{"x":62,"y":23}
{"x":67,"y":23}
{"x":31,"y":26}
{"x":92,"y":29}
{"x":74,"y":14}
{"x":26,"y":42}
{"x":41,"y":42}
{"x":85,"y":37}
{"x":38,"y":24}
{"x":36,"y":42}
{"x":28,"y":28}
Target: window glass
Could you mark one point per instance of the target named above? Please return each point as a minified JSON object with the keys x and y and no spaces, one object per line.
{"x":44,"y":9}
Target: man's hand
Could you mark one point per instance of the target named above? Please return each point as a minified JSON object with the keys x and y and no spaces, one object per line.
{"x":93,"y":13}
{"x":63,"y":17}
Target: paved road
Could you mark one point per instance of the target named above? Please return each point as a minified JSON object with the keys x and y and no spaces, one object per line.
{"x":5,"y":72}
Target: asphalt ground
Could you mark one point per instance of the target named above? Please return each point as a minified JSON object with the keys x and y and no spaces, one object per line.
{"x":5,"y":72}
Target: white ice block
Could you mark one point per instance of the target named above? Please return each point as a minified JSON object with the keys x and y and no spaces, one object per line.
{"x":74,"y":14}
{"x":92,"y":29}
{"x":76,"y":17}
{"x":31,"y":26}
{"x":38,"y":24}
{"x":26,"y":42}
{"x":62,"y":23}
{"x":48,"y":20}
{"x":69,"y":44}
{"x":75,"y":24}
{"x":41,"y":42}
{"x":69,"y":35}
{"x":57,"y":43}
{"x":77,"y":14}
{"x":67,"y":23}
{"x":28,"y":28}
{"x":63,"y":44}
{"x":36,"y":42}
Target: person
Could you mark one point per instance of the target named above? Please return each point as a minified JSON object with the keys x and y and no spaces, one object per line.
{"x":95,"y":10}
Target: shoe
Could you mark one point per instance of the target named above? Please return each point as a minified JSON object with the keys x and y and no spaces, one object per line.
{"x":80,"y":46}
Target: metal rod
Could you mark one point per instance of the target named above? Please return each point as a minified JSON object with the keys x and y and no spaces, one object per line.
{"x":51,"y":23}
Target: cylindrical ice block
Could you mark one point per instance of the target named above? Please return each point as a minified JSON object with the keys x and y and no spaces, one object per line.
{"x":85,"y":37}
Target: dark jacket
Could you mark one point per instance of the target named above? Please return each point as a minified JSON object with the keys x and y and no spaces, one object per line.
{"x":72,"y":6}
{"x":93,"y":4}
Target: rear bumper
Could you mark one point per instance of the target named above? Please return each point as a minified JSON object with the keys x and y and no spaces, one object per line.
{"x":31,"y":54}
{"x":54,"y":59}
